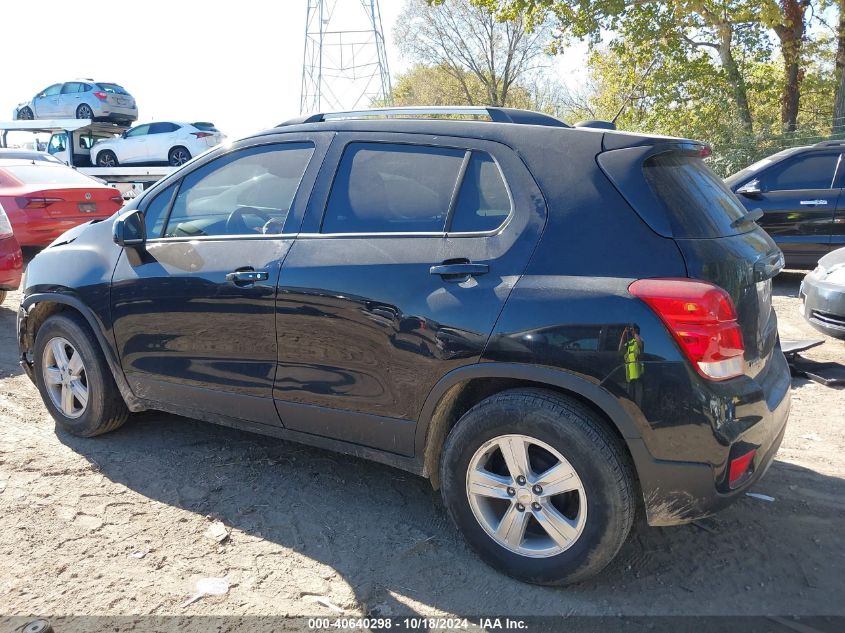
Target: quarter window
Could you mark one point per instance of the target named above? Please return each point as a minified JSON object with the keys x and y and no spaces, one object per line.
{"x":483,"y":203}
{"x":383,"y":188}
{"x":243,"y":193}
{"x":156,"y":212}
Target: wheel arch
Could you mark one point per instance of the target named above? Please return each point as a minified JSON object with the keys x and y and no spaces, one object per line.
{"x":463,"y":388}
{"x":37,"y":308}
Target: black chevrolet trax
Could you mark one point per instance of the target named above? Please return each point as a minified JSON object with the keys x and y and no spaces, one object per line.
{"x":554,"y":325}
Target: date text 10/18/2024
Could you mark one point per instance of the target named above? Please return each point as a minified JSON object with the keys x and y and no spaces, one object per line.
{"x":418,"y":623}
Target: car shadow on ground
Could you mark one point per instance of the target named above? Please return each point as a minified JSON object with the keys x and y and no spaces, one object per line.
{"x":386,"y":533}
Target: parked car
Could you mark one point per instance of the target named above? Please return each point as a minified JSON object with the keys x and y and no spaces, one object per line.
{"x":11,"y":260}
{"x":81,"y":99}
{"x":797,"y":190}
{"x":159,"y":142}
{"x":28,"y":154}
{"x":43,"y":199}
{"x":823,"y":295}
{"x":554,"y":325}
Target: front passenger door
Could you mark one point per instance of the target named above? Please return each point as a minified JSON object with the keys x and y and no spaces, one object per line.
{"x":194,"y":313}
{"x":132,"y":148}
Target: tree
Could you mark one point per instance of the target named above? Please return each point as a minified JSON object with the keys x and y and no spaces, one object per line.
{"x":703,"y":23}
{"x":472,"y":46}
{"x":838,"y":122}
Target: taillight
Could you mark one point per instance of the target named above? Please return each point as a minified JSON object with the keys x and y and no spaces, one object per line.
{"x":117,"y":199}
{"x":703,"y":321}
{"x":5,"y":225}
{"x":102,"y":96}
{"x":201,"y":134}
{"x":36,"y":202}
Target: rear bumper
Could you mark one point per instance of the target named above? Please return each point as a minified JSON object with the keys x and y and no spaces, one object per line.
{"x":11,"y":264}
{"x":824,"y":306}
{"x":677,"y":492}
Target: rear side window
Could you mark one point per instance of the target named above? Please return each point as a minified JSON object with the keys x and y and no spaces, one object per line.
{"x":803,"y":172}
{"x":386,"y":188}
{"x":483,"y":203}
{"x":70,"y":88}
{"x":163,"y":128}
{"x":697,"y":201}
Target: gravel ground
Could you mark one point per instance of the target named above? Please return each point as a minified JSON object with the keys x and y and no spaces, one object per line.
{"x":116,"y":525}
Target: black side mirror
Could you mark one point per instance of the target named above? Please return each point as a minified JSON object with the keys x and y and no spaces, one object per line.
{"x":130,"y":230}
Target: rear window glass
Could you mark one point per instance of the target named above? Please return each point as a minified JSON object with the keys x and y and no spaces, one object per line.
{"x":113,"y":89}
{"x":697,"y":201}
{"x":49,"y":174}
{"x":205,"y":127}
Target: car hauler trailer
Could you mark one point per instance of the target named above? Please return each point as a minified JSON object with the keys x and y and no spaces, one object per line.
{"x":71,"y":141}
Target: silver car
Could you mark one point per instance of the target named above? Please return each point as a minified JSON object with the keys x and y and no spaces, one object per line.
{"x":81,"y":99}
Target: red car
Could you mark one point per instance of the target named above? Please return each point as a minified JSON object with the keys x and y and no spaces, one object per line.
{"x":43,"y":200}
{"x":11,"y":260}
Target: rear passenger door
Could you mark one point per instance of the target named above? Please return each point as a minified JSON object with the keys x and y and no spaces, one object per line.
{"x":799,"y":201}
{"x":408,"y":251}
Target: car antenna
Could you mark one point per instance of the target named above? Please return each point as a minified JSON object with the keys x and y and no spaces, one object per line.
{"x":630,"y":96}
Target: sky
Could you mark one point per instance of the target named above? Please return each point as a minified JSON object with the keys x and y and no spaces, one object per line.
{"x":237,"y":63}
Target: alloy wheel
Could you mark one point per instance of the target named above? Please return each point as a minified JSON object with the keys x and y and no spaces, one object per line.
{"x":179,"y":157}
{"x":84,"y":112}
{"x":526,"y":496}
{"x":106,"y":160}
{"x":65,"y":377}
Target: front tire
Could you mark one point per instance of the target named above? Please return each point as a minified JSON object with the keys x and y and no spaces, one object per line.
{"x":178,"y":156}
{"x":84,"y":111}
{"x":107,"y":158}
{"x":25,"y":114}
{"x":74,"y":380}
{"x":538,"y":485}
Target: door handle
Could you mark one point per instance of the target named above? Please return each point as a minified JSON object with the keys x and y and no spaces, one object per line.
{"x":458,"y":271}
{"x":813,"y":203}
{"x":246,"y":277}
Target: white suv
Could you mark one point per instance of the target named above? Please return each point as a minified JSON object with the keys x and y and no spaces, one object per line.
{"x":161,"y":142}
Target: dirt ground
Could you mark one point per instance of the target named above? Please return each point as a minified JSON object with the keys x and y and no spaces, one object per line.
{"x":116,"y":525}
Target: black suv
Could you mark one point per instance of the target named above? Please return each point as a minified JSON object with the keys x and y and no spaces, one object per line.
{"x":798,"y":192}
{"x":552,"y":324}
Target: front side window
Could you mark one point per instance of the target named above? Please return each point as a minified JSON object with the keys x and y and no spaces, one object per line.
{"x":57,"y":143}
{"x":804,"y":172}
{"x":141,"y":130}
{"x":243,"y":193}
{"x":52,"y":91}
{"x":387,"y":188}
{"x":483,"y":203}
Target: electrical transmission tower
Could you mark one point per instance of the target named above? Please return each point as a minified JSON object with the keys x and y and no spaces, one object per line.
{"x":345,"y":63}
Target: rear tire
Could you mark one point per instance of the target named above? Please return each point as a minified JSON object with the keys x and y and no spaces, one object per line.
{"x":556,"y":538}
{"x":107,"y":158}
{"x":25,"y":114}
{"x":2,"y":296}
{"x":84,"y":111}
{"x":74,"y":379}
{"x":178,"y":156}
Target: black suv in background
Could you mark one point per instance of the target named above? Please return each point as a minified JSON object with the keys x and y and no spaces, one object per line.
{"x":798,"y":191}
{"x":552,"y":324}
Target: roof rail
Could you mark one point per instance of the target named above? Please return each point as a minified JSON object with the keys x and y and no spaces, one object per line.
{"x":830,"y":143}
{"x":495,"y":114}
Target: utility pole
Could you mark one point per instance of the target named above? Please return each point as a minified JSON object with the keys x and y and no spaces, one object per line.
{"x":344,"y":66}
